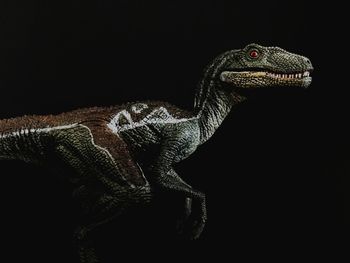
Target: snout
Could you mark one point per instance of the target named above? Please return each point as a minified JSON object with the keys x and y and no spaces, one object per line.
{"x":308,"y":64}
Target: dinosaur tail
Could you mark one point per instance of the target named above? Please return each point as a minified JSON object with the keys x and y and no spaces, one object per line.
{"x":17,"y":141}
{"x":12,"y":146}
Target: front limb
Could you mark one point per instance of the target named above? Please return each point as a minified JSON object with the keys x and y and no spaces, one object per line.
{"x":167,"y":179}
{"x":171,"y":181}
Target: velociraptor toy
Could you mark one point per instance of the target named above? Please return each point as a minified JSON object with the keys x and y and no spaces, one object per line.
{"x":107,"y":147}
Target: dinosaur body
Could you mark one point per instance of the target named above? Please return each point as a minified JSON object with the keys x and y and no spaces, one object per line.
{"x":120,"y":154}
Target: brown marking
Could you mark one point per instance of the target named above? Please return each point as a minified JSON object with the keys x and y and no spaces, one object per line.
{"x":96,"y":119}
{"x":92,"y":115}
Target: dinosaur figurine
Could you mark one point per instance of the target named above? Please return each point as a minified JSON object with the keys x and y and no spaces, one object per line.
{"x":120,"y":154}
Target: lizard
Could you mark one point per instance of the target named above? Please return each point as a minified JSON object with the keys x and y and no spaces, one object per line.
{"x":120,"y":154}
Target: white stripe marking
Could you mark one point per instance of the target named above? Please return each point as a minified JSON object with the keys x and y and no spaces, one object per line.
{"x":39,"y":130}
{"x":139,"y":107}
{"x":157,"y":116}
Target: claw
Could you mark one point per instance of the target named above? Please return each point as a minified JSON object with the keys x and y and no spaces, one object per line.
{"x":188,"y":207}
{"x":193,"y":221}
{"x":197,"y":229}
{"x":180,"y":226}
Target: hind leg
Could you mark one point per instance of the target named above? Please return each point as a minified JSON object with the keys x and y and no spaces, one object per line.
{"x":86,"y":248}
{"x":112,"y":180}
{"x":99,"y":205}
{"x":101,"y":153}
{"x":106,"y":209}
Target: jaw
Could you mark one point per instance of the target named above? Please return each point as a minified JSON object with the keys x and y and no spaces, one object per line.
{"x":257,"y":79}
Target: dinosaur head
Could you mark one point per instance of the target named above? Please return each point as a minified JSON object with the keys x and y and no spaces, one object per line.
{"x":257,"y":66}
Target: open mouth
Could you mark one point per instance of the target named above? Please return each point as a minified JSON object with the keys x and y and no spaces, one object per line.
{"x":299,"y":75}
{"x":229,"y":76}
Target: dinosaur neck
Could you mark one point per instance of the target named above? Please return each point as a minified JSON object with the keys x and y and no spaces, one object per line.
{"x":213,"y":103}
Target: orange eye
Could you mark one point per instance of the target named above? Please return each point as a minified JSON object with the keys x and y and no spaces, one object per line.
{"x":253,"y":54}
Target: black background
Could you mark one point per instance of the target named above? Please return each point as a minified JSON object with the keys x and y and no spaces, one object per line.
{"x":276,"y":173}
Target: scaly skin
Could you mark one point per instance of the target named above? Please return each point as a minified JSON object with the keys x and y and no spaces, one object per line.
{"x":110,"y":149}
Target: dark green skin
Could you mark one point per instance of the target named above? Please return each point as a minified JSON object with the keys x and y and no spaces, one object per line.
{"x":111,"y":171}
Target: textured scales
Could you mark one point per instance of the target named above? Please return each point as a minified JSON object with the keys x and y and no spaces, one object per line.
{"x":120,"y":154}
